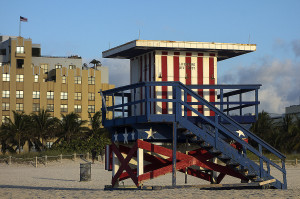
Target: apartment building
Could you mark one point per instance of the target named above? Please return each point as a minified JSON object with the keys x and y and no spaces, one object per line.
{"x":30,"y":82}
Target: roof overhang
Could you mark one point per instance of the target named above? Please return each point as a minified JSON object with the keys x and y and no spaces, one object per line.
{"x":139,"y":47}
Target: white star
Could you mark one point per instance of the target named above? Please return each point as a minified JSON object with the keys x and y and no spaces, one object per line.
{"x":132,"y":134}
{"x":116,"y":136}
{"x":125,"y":136}
{"x":240,"y":133}
{"x":150,"y":133}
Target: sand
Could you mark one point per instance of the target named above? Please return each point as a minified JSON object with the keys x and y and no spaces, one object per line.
{"x":61,"y":180}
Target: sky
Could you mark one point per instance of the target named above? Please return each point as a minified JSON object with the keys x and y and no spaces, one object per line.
{"x":87,"y":28}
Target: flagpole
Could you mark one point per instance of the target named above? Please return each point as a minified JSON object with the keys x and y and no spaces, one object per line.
{"x":20,"y":29}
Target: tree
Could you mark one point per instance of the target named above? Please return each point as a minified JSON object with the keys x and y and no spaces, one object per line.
{"x":96,"y":62}
{"x":296,"y":135}
{"x":17,"y":131}
{"x":85,"y":65}
{"x":288,"y":133}
{"x":71,"y":127}
{"x":98,"y":136}
{"x":44,"y":126}
{"x":264,"y":126}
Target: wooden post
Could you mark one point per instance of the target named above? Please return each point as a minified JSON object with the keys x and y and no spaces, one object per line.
{"x":186,"y":152}
{"x":87,"y":155}
{"x":74,"y":158}
{"x":36,"y":161}
{"x":99,"y":158}
{"x":140,"y":162}
{"x":9,"y":160}
{"x":174,"y":159}
{"x":115,"y":167}
{"x":296,"y":161}
{"x":214,"y":175}
{"x":46,"y":160}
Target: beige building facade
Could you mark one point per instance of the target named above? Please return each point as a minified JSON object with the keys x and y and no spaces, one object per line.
{"x":30,"y":82}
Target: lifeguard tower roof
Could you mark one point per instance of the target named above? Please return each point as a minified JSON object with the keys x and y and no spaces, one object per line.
{"x":139,"y":47}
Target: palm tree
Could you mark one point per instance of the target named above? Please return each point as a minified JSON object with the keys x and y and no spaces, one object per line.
{"x":95,"y":121}
{"x":288,"y":133}
{"x":98,"y":136}
{"x":44,"y":126}
{"x":264,"y":126}
{"x":85,"y":65}
{"x":96,"y":62}
{"x":71,"y":127}
{"x":297,"y":135}
{"x":17,"y":131}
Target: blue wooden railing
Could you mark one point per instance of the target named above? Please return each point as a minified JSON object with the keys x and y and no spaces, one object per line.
{"x":179,"y":114}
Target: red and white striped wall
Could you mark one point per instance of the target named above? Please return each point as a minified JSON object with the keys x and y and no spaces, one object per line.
{"x":186,"y":67}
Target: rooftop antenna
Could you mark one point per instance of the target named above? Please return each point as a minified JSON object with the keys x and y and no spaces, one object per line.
{"x":249,"y":39}
{"x":139,"y":34}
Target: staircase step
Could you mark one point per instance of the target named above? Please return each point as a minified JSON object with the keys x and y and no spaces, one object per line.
{"x":233,"y":164}
{"x":190,"y":136}
{"x":224,"y":158}
{"x":207,"y":147}
{"x":215,"y":152}
{"x":252,"y":176}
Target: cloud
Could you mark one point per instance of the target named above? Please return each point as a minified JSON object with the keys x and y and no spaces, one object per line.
{"x":119,"y":71}
{"x":279,"y":78}
{"x":296,"y":47}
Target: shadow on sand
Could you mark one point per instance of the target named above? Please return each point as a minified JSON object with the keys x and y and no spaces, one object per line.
{"x":57,"y":179}
{"x":46,"y":188}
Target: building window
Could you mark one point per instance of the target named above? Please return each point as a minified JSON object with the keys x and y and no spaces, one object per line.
{"x":36,"y":94}
{"x":20,"y":49}
{"x":50,"y":95}
{"x":5,"y":119}
{"x":19,"y":107}
{"x":50,"y":107}
{"x":19,"y":94}
{"x":5,"y":106}
{"x":64,"y":79}
{"x":77,"y":108}
{"x":77,"y":80}
{"x":72,"y":66}
{"x":91,"y":80}
{"x":63,"y":108}
{"x":77,"y":96}
{"x":5,"y":94}
{"x":44,"y":67}
{"x":58,"y":66}
{"x":91,"y":96}
{"x":20,"y":78}
{"x":5,"y":77}
{"x":20,"y":63}
{"x":35,"y":107}
{"x":36,"y":78}
{"x":91,"y":108}
{"x":63,"y":95}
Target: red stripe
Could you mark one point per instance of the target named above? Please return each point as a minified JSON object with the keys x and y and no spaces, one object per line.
{"x":200,"y":77}
{"x":164,"y":70}
{"x":176,"y":66}
{"x":211,"y":80}
{"x":188,"y":78}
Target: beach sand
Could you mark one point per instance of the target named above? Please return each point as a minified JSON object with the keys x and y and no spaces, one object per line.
{"x":61,"y":180}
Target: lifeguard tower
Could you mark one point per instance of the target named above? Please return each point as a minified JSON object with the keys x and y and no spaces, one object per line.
{"x":174,"y":117}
